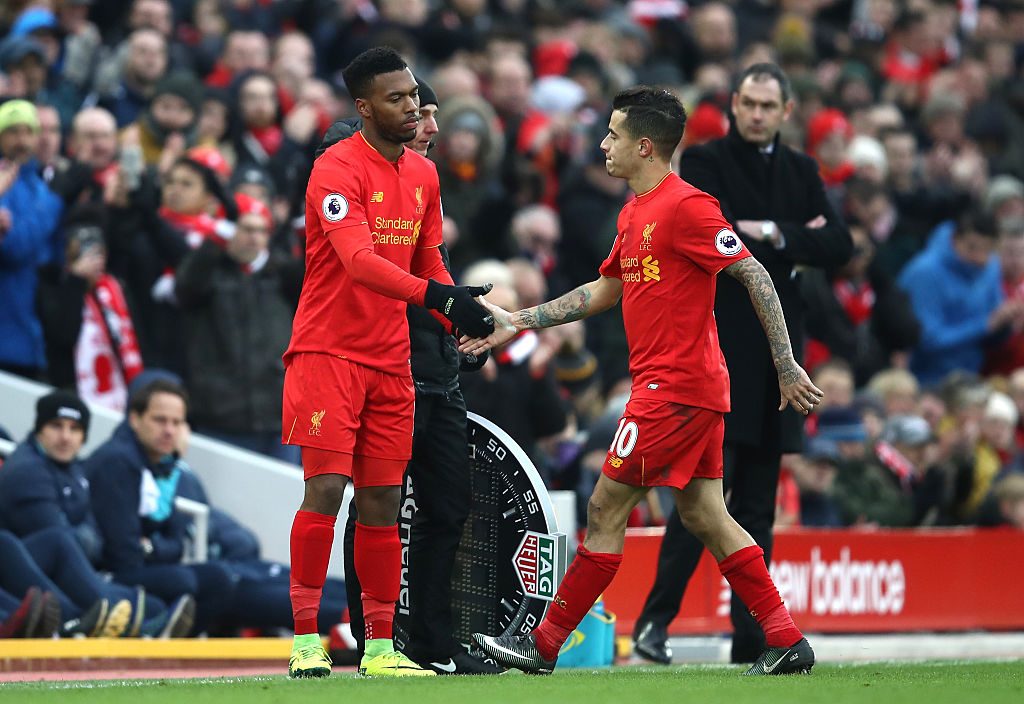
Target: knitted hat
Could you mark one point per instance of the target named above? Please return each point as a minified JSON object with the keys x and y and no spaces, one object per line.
{"x":210,"y":158}
{"x":705,"y":123}
{"x":841,"y":424}
{"x":824,"y":123}
{"x":61,"y":404}
{"x":427,"y":94}
{"x":184,"y":85}
{"x":247,"y":205}
{"x":13,"y":51}
{"x":913,"y":431}
{"x":18,"y":112}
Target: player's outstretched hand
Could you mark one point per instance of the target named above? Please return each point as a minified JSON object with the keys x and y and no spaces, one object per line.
{"x":458,"y":305}
{"x":797,"y":390}
{"x":504,"y":331}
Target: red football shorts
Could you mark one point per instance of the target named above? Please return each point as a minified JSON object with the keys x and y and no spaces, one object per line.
{"x":665,"y":444}
{"x":361,"y":417}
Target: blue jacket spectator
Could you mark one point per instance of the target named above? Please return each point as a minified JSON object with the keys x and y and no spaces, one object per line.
{"x":955,"y":291}
{"x":45,"y":504}
{"x":133,"y":481}
{"x":29,"y":213}
{"x":122,"y":476}
{"x":41,"y":486}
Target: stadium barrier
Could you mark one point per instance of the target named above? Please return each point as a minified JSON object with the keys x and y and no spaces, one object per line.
{"x":851,"y":581}
{"x":262,"y":493}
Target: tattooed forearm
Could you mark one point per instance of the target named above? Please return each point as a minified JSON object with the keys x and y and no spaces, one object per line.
{"x":572,"y":306}
{"x":758,"y":283}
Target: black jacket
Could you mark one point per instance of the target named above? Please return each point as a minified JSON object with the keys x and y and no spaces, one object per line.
{"x":868,"y":346}
{"x":37,"y":493}
{"x":434,"y":355}
{"x":785,"y":188}
{"x":236,"y":326}
{"x":141,"y":247}
{"x":60,"y":299}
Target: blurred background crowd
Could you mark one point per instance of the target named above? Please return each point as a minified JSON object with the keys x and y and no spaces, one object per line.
{"x":131,"y":133}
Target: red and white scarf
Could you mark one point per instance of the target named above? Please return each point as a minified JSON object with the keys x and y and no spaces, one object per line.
{"x":107,"y":355}
{"x":897,"y":463}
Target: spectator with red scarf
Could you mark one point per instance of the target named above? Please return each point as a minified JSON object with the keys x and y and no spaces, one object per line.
{"x":244,"y":50}
{"x":151,"y":235}
{"x":285,"y":148}
{"x":912,"y":56}
{"x":857,"y":313}
{"x":92,"y":171}
{"x":88,"y":329}
{"x":828,"y":137}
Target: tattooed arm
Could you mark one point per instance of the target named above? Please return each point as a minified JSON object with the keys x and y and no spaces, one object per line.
{"x":795,"y":387}
{"x":581,"y":302}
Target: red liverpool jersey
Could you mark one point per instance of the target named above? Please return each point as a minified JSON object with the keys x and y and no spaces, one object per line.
{"x":672,"y":242}
{"x":393,"y":208}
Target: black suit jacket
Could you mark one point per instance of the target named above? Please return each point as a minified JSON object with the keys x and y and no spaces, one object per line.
{"x":784,"y":188}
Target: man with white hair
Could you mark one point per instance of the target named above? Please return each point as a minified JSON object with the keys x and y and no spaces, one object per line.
{"x":868,"y":157}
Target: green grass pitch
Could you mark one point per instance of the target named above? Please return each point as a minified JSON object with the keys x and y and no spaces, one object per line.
{"x":885,"y":683}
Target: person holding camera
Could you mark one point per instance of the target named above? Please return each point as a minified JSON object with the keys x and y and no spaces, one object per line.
{"x":90,"y":336}
{"x":152,"y":228}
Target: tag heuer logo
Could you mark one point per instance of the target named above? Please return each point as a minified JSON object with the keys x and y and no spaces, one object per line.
{"x":535,"y":565}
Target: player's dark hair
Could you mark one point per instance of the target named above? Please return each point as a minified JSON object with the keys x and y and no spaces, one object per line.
{"x":371,"y":63}
{"x":139,"y":401}
{"x":767,"y":71}
{"x":653,"y":113}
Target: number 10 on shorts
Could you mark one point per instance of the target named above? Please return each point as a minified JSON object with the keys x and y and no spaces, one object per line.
{"x":625,"y":438}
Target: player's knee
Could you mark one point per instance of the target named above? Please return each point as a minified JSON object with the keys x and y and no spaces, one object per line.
{"x":378,"y":505}
{"x":699,"y":523}
{"x":324,"y":493}
{"x":602,"y":516}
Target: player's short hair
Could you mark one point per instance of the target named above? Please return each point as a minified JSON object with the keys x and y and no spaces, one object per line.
{"x":767,"y":71}
{"x":371,"y":63}
{"x":139,"y":401}
{"x":654,"y":113}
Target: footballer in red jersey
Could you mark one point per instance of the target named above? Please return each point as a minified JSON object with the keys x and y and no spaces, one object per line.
{"x":672,"y":242}
{"x":373,"y":227}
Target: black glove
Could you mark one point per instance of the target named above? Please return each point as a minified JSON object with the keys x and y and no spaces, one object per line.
{"x":473,"y":362}
{"x":456,"y":303}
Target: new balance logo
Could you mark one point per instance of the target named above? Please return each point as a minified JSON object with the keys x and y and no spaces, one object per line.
{"x":377,"y":197}
{"x":652,"y":270}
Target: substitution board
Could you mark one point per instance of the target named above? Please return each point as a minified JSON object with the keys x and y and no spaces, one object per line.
{"x":511,"y":557}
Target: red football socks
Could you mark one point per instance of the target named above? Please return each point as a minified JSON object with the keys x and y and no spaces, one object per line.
{"x":585,"y":580}
{"x":748,"y":576}
{"x":378,"y":558}
{"x":311,"y":541}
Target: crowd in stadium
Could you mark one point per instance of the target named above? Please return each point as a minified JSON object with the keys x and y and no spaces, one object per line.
{"x":133,"y":134}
